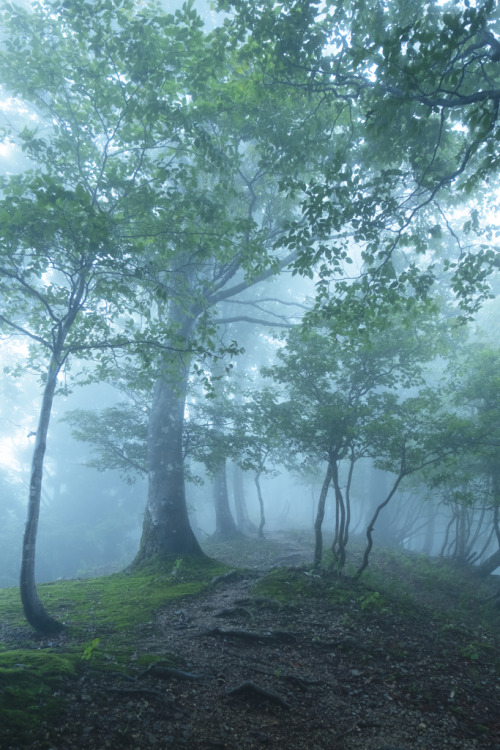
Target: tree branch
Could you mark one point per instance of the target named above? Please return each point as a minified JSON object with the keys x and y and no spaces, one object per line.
{"x":248,"y":319}
{"x":224,"y":294}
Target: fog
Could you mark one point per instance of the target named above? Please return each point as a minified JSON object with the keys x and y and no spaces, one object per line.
{"x":279,"y":322}
{"x":91,"y":521}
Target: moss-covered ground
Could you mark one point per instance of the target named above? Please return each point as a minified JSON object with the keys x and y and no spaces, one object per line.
{"x":99,"y":615}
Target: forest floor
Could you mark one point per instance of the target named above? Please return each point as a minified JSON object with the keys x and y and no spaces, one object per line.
{"x":269,"y":656}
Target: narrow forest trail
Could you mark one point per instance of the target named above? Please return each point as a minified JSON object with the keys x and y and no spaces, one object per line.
{"x":276,"y":657}
{"x":240,"y":667}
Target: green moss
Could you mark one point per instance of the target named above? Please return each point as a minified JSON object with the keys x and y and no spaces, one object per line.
{"x":11,"y":610}
{"x":122,"y":600}
{"x":30,"y":681}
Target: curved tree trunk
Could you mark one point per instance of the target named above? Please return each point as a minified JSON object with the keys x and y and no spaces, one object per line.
{"x":225,"y":526}
{"x":261,"y":505}
{"x":33,"y":608}
{"x":371,"y":525}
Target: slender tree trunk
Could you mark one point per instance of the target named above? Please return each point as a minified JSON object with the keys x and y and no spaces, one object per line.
{"x":320,"y":515}
{"x":475,"y":535}
{"x":261,"y":506}
{"x":371,"y":525}
{"x":444,"y":546}
{"x":33,"y":608}
{"x":243,"y":521}
{"x":345,"y":518}
{"x":225,"y":527}
{"x":338,"y":546}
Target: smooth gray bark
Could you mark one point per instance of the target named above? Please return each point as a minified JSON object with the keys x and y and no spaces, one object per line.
{"x":166,"y":528}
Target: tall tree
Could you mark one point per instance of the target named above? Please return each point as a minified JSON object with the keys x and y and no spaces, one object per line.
{"x":223,"y":158}
{"x":108,"y":148}
{"x":52,"y":240}
{"x":470,"y":482}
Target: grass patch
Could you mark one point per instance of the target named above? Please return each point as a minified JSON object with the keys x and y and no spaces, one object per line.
{"x":291,"y":585}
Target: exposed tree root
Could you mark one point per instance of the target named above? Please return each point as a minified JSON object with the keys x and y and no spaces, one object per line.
{"x":250,"y":689}
{"x":277,"y":636}
{"x":167,"y":673}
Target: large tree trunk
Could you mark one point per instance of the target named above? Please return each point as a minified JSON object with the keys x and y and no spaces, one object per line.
{"x":225,"y":527}
{"x":166,"y":529}
{"x":33,"y":608}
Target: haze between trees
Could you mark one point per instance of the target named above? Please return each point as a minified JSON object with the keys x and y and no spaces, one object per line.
{"x":169,"y":170}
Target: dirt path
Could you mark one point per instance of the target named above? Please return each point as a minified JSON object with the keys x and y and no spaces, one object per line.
{"x":236,"y":669}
